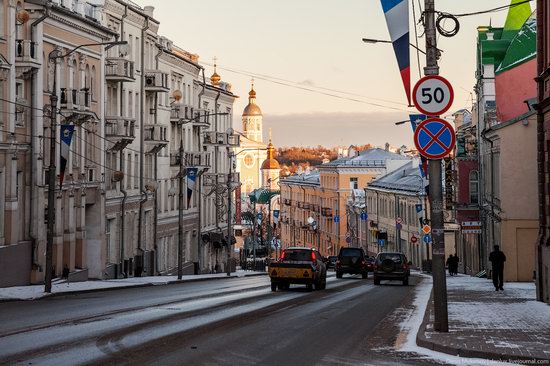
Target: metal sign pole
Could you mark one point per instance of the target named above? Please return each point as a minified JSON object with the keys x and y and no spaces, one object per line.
{"x":441,"y":322}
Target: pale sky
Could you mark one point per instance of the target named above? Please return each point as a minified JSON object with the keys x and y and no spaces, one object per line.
{"x":318,"y":43}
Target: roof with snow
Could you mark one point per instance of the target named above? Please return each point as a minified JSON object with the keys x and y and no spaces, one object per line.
{"x":373,"y":157}
{"x":406,"y":179}
{"x":313,"y":178}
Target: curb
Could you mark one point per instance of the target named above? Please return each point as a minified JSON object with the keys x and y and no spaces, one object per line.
{"x":141,"y":285}
{"x":424,"y":342}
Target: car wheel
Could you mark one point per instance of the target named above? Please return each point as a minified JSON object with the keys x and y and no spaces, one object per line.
{"x":376,"y":280}
{"x":406,"y":281}
{"x":365,"y":275}
{"x":338,"y":274}
{"x":273,"y":286}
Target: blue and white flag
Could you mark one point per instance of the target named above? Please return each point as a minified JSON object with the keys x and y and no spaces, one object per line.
{"x":66,"y":138}
{"x":276,"y":216}
{"x":191,"y":180}
{"x":416,"y":119}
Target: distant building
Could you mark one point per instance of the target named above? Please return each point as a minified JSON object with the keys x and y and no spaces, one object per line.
{"x":324,"y":196}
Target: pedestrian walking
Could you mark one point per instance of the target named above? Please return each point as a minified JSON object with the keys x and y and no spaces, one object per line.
{"x":456,"y":260}
{"x":449,"y":264}
{"x":497,"y":259}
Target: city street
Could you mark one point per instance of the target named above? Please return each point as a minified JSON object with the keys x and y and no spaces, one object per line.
{"x":232,"y":322}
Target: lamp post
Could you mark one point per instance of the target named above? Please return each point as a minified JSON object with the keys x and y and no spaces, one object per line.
{"x":372,"y":40}
{"x":53,"y":56}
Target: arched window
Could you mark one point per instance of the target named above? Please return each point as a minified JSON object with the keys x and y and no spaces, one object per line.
{"x":474,"y":186}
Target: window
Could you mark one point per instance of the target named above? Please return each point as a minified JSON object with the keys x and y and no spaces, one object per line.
{"x":353,"y":184}
{"x":249,"y":160}
{"x":474,"y":181}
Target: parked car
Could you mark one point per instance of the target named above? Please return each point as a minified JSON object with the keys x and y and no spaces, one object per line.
{"x":370,"y":263}
{"x":391,"y":266}
{"x":298,"y":265}
{"x":352,"y":261}
{"x":331,"y":261}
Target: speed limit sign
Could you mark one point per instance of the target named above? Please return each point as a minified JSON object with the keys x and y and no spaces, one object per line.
{"x":433,"y":95}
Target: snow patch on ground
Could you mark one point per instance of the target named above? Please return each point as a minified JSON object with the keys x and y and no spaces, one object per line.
{"x":37,"y":291}
{"x":412,"y":324}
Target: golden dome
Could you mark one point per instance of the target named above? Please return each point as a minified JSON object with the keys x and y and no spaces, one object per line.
{"x":252,"y":108}
{"x":270,"y":162}
{"x":215,"y":78}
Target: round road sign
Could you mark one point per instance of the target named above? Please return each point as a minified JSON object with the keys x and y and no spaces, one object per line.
{"x":414,"y":239}
{"x":434,"y":138}
{"x":398,"y":220}
{"x":433,"y":95}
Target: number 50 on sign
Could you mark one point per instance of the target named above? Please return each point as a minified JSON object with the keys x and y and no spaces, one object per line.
{"x":433,"y":95}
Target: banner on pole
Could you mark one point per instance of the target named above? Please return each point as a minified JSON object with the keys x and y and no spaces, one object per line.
{"x":191,"y":180}
{"x":66,"y":137}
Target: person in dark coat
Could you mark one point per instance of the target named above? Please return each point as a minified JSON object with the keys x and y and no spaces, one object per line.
{"x":455,"y":264}
{"x":449,"y":264}
{"x":497,"y":259}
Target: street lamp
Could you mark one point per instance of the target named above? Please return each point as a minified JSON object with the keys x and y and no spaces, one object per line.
{"x":372,"y":41}
{"x":53,"y":57}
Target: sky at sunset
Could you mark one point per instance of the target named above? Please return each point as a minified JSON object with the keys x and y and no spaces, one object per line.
{"x":316,"y":45}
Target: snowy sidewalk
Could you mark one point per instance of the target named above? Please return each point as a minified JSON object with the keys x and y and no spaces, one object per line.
{"x":37,"y":291}
{"x":505,"y":325}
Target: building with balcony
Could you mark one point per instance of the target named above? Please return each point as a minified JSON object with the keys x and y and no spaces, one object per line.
{"x":31,"y":31}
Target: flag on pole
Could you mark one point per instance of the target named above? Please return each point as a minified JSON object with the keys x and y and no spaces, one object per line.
{"x":415,"y":121}
{"x":66,"y":137}
{"x":397,"y":19}
{"x":191,"y":179}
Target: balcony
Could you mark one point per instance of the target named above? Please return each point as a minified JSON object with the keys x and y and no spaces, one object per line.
{"x":74,"y":99}
{"x":306,"y":205}
{"x":200,"y":118}
{"x":196,"y":159}
{"x":221,"y":138}
{"x":156,"y":81}
{"x":25,"y":54}
{"x":119,"y":69}
{"x":326,"y":212}
{"x":154,"y":137}
{"x":119,"y":131}
{"x":181,"y":113}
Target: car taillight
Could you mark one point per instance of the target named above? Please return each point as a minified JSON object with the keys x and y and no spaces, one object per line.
{"x":313,"y":257}
{"x":282,"y":258}
{"x":405,"y":266}
{"x":338,"y":263}
{"x":363,"y":263}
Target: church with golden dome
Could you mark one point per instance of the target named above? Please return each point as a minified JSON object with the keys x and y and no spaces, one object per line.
{"x":256,"y":161}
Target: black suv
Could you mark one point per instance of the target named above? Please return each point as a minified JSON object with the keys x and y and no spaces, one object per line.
{"x":391,"y":266}
{"x":352,"y":261}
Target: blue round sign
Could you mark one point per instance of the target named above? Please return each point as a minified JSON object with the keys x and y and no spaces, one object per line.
{"x":427,"y":239}
{"x":364,"y":216}
{"x":434,"y":138}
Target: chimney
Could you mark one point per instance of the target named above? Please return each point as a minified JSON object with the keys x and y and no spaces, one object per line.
{"x":148,"y":10}
{"x":387,"y":146}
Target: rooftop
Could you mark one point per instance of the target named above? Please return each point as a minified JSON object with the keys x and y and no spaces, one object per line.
{"x":407,"y":179}
{"x":373,"y":157}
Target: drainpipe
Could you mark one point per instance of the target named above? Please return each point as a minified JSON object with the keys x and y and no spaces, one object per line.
{"x":122,"y":234}
{"x":543,"y":230}
{"x":140,"y":219}
{"x":141,"y":132}
{"x":483,"y":252}
{"x":199,"y":185}
{"x":31,"y":234}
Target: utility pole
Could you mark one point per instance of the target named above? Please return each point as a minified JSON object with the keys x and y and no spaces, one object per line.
{"x":51,"y":181}
{"x":180,"y":223}
{"x":441,"y":321}
{"x":229,"y":236}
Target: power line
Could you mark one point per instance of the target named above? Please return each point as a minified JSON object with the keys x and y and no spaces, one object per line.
{"x":286,"y":83}
{"x":493,"y":10}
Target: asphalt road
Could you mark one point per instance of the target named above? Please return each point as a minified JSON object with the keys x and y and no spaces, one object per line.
{"x":219,"y":322}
